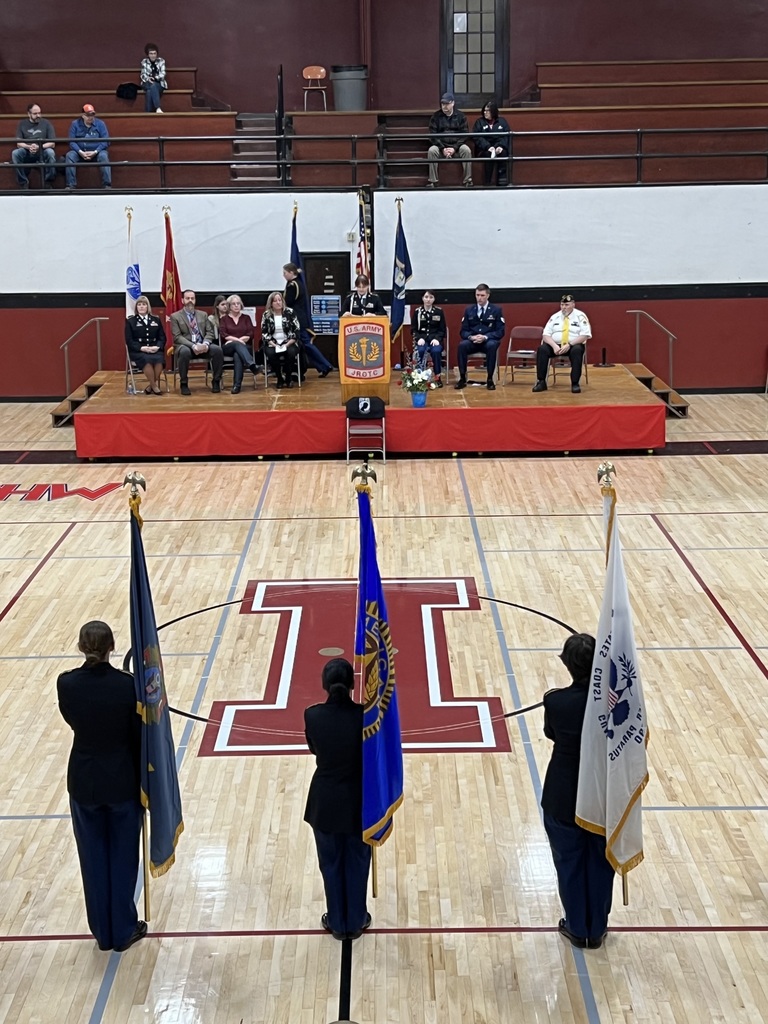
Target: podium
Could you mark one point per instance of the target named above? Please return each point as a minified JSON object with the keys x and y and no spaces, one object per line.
{"x":364,"y":363}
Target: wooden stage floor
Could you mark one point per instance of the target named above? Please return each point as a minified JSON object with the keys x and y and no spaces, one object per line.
{"x":613,"y":412}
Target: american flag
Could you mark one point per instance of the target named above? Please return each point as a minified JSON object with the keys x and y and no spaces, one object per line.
{"x":362,"y":263}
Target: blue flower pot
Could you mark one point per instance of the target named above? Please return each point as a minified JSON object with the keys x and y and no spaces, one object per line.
{"x":419,"y":399}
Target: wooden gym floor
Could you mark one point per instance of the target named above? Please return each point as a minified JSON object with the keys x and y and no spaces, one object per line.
{"x":465,"y":929}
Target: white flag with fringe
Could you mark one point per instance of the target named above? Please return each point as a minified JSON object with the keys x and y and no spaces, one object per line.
{"x":613,"y":769}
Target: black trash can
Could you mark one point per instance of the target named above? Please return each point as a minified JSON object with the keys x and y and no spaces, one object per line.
{"x":350,"y":86}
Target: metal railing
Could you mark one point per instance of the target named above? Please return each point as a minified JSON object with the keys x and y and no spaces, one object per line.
{"x":670,"y":338}
{"x":98,"y":320}
{"x":632,"y":147}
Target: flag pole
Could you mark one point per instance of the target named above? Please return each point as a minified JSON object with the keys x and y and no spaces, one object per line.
{"x":145,"y":859}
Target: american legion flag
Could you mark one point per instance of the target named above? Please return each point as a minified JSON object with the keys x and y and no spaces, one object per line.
{"x":382,"y":748}
{"x":613,"y":769}
{"x":159,"y":778}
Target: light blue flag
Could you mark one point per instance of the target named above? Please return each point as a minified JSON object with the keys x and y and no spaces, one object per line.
{"x":401,"y":275}
{"x":382,"y":748}
{"x":132,"y":273}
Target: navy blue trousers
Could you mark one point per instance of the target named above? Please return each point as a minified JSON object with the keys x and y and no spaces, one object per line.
{"x":584,"y":877}
{"x":344,"y":864}
{"x":107,"y":840}
{"x":313,"y":355}
{"x":489,"y":348}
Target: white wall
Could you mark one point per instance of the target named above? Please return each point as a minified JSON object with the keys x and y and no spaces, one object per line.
{"x":223,"y":243}
{"x":567,"y":238}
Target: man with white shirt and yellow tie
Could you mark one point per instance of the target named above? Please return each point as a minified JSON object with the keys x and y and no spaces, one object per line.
{"x":565,"y":334}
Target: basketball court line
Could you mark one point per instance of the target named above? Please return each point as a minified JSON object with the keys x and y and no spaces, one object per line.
{"x":40,"y":565}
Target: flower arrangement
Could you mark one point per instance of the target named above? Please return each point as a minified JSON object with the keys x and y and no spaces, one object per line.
{"x":416,"y":379}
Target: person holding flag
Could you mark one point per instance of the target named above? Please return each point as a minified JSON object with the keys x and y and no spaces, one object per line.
{"x":98,"y":702}
{"x":584,"y":876}
{"x":334,"y":808}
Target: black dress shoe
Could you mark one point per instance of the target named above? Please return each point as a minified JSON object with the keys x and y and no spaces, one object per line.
{"x":324,"y":373}
{"x":236,"y":389}
{"x":139,"y":932}
{"x":359,"y":932}
{"x":575,"y":389}
{"x":280,"y":384}
{"x":574,"y":940}
{"x":254,"y":369}
{"x":540,"y":385}
{"x":596,"y":943}
{"x":460,"y":383}
{"x":336,"y":935}
{"x":490,"y":385}
{"x":216,"y":387}
{"x":185,"y":388}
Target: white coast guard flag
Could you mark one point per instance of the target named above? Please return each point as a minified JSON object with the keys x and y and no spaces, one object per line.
{"x":613,"y":769}
{"x":132,"y":274}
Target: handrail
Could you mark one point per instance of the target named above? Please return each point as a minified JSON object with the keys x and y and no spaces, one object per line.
{"x":98,"y":320}
{"x":670,"y":338}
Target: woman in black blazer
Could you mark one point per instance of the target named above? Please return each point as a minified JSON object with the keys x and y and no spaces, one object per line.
{"x":99,"y":703}
{"x":145,"y":338}
{"x":334,"y":733}
{"x":584,"y":875}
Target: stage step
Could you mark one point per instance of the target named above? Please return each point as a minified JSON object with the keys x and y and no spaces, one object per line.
{"x":676,"y":404}
{"x":62,"y":415}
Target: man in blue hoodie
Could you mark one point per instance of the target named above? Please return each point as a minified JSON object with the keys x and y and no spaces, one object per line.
{"x":88,"y":140}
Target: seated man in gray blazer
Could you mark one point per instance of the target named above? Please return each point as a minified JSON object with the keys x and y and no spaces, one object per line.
{"x":193,"y":339}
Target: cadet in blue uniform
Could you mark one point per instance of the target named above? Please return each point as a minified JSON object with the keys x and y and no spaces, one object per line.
{"x":362,"y":301}
{"x":334,"y":733}
{"x":584,"y":875}
{"x":429,"y":333}
{"x":481,"y":331}
{"x":99,"y":703}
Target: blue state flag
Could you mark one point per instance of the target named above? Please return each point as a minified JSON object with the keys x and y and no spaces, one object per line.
{"x":401,"y":275}
{"x":382,"y":747}
{"x":159,"y":778}
{"x":132,"y":273}
{"x":296,"y":260}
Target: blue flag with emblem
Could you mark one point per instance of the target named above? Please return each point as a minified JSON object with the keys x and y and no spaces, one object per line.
{"x":382,"y":748}
{"x":159,"y":777}
{"x":401,"y":275}
{"x":132,"y":273}
{"x":296,"y":260}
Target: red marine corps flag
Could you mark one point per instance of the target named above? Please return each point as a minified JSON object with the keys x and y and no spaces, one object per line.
{"x":170,"y":289}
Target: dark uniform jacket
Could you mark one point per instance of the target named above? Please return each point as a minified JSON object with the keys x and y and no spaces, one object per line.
{"x":428,"y":323}
{"x":366,"y":305}
{"x":293,"y":299}
{"x":563,"y":719}
{"x":448,"y":132}
{"x":491,"y":324}
{"x":99,"y":704}
{"x":487,"y":134}
{"x":138,"y":333}
{"x":334,"y":733}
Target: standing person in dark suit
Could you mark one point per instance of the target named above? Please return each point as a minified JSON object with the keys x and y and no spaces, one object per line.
{"x":295,"y":300}
{"x":334,"y":733}
{"x":99,"y":703}
{"x":584,"y":875}
{"x":362,"y":301}
{"x":145,"y":338}
{"x":481,"y":331}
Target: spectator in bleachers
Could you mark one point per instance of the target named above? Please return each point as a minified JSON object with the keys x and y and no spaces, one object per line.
{"x":236,"y":337}
{"x":89,"y":141}
{"x":280,"y":338}
{"x":449,"y":129}
{"x":34,"y":145}
{"x":153,"y":80}
{"x":492,"y":144}
{"x":429,"y":332}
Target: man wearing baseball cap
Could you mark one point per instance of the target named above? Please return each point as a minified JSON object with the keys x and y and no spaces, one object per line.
{"x":566,"y":334}
{"x":448,"y":129}
{"x":89,"y":141}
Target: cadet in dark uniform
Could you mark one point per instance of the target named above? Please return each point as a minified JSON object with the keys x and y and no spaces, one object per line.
{"x":429,"y":333}
{"x":335,"y":802}
{"x":481,"y":331}
{"x":145,"y":338}
{"x":584,"y":875}
{"x":362,"y":301}
{"x":99,"y":703}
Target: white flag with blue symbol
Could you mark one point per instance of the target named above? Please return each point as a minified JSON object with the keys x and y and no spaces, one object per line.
{"x":132,"y":274}
{"x":613,"y":770}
